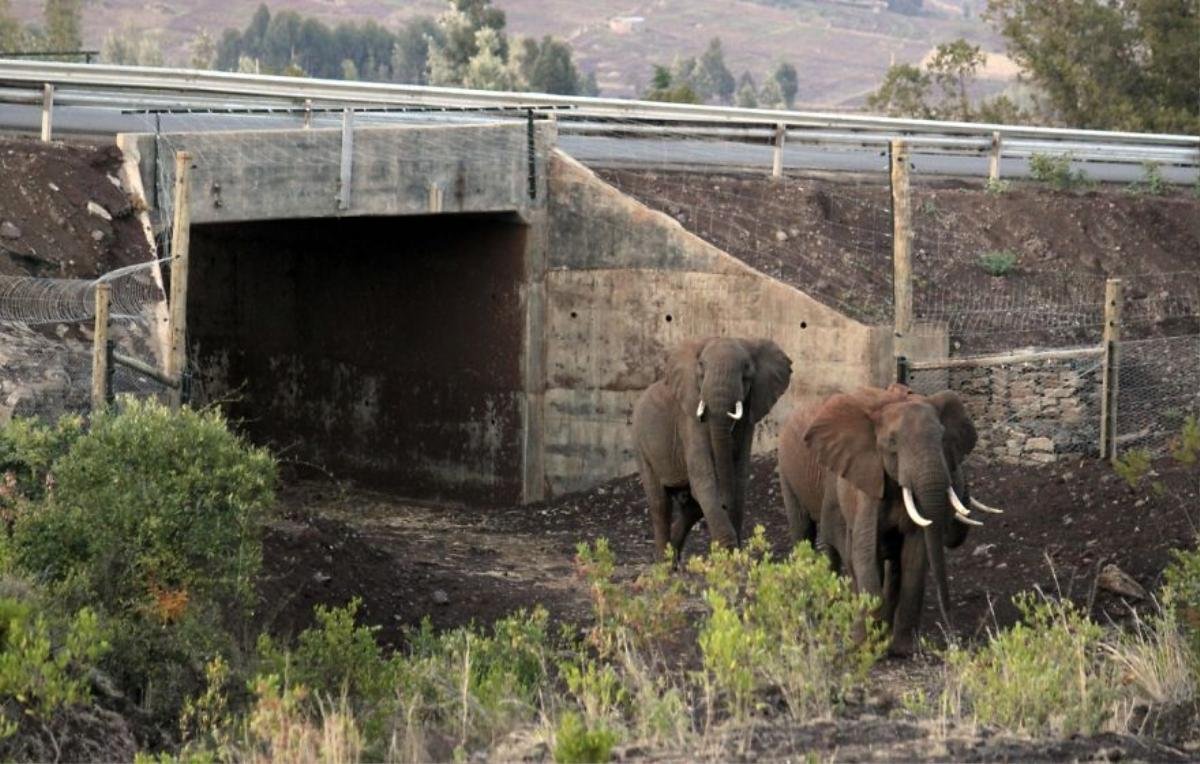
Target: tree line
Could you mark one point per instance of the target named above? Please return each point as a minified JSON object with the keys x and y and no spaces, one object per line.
{"x":1131,"y":65}
{"x":61,"y":29}
{"x":706,"y":78}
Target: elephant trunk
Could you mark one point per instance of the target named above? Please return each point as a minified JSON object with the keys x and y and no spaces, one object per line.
{"x":934,"y":504}
{"x":723,"y":397}
{"x":721,"y":437}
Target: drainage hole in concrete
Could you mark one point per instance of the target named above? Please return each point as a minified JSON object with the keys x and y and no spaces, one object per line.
{"x":668,"y":318}
{"x":803,"y":324}
{"x":574,"y":314}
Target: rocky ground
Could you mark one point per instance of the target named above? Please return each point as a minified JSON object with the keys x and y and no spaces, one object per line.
{"x":65,"y":220}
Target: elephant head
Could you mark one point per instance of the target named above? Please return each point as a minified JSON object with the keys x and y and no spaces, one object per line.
{"x":724,"y":386}
{"x":894,"y":444}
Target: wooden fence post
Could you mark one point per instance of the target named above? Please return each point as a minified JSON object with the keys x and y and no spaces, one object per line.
{"x":100,"y":354}
{"x":180,"y":244}
{"x":47,"y":111}
{"x":994,"y":157}
{"x":777,"y":152}
{"x":345,"y":176}
{"x":1109,"y":381}
{"x":901,"y":247}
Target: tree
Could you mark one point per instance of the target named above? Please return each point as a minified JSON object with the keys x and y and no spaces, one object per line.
{"x":590,"y":87}
{"x":487,"y":69}
{"x":1117,"y":65}
{"x":202,"y":50}
{"x":131,"y":47}
{"x":12,"y":37}
{"x":903,"y":93}
{"x":711,"y":76}
{"x":789,"y":82}
{"x":664,"y":87}
{"x":450,"y":56}
{"x":953,"y":68}
{"x":553,"y":70}
{"x":410,"y":55}
{"x":62,"y":19}
{"x":770,"y":96}
{"x":747,"y":92}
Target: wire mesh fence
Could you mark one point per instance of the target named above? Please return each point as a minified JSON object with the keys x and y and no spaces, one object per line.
{"x":1158,"y":391}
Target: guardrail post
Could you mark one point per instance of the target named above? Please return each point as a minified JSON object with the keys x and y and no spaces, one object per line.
{"x":901,"y":246}
{"x":346,"y":177}
{"x":777,"y":152}
{"x":307,"y":113}
{"x":47,"y":111}
{"x":1113,"y":294}
{"x":435,"y":197}
{"x":181,"y":237}
{"x":994,"y":156}
{"x":100,"y":348}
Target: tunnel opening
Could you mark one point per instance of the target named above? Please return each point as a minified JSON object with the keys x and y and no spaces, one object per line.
{"x":386,"y":350}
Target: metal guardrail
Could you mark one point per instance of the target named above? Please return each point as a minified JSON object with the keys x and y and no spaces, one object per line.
{"x":184,"y":89}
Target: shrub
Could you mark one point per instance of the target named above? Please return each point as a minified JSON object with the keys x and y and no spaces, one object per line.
{"x":279,"y":729}
{"x":1133,"y":466}
{"x":577,"y":743}
{"x":1056,"y":170}
{"x":1046,"y":675}
{"x":1151,"y":181}
{"x":831,"y":639}
{"x":998,"y":262}
{"x":996,"y":186}
{"x":1182,"y":594}
{"x":154,"y":519}
{"x":28,"y":448}
{"x":1186,"y":446}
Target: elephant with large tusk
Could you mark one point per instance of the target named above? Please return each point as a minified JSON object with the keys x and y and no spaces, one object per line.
{"x":694,"y":430}
{"x":875,"y":478}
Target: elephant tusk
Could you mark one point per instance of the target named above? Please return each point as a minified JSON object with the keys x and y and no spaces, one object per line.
{"x":984,"y":507}
{"x":956,"y":502}
{"x":737,"y":411}
{"x":966,"y":520}
{"x":911,"y":507}
{"x":700,"y":410}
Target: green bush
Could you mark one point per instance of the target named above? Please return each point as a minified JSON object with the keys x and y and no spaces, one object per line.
{"x":44,"y":665}
{"x":577,"y":743}
{"x":1046,"y":675}
{"x":1182,"y":594}
{"x":1151,"y":181}
{"x":28,"y":448}
{"x":153,"y":518}
{"x":1056,"y":170}
{"x":1186,"y":447}
{"x":998,"y":262}
{"x":1133,"y":466}
{"x":831,"y":640}
{"x":996,"y":186}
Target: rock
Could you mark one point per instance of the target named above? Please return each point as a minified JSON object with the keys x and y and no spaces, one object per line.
{"x":983,"y":549}
{"x":52,"y":187}
{"x":98,"y":211}
{"x":9,"y":230}
{"x":780,"y":236}
{"x":322,"y":577}
{"x":440,"y":597}
{"x":97,"y":235}
{"x":1116,"y":580}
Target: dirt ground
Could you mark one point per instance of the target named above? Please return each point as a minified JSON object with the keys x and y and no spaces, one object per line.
{"x":833,"y":240}
{"x":1063,"y":523}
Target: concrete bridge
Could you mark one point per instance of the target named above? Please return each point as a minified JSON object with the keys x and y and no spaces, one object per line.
{"x":457,"y":312}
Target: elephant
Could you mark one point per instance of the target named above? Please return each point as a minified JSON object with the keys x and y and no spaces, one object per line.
{"x":693,"y":432}
{"x":875,"y":478}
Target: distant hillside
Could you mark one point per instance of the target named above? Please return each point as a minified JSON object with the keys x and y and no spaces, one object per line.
{"x":841,"y":48}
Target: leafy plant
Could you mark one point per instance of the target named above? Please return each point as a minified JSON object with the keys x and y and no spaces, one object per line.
{"x":1186,"y":447}
{"x":1056,"y":171}
{"x":1133,"y":466}
{"x":996,"y":186}
{"x":1046,"y":675}
{"x":1182,"y":594}
{"x":998,"y":262}
{"x":577,"y":743}
{"x":1151,"y":181}
{"x":831,"y":639}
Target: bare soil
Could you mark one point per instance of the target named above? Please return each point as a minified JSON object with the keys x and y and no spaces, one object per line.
{"x":832,"y":239}
{"x":460,"y":565}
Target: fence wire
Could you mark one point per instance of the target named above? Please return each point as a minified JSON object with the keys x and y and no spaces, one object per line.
{"x":1158,"y":389}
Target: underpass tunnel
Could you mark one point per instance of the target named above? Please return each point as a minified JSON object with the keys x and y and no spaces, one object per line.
{"x":383,"y":349}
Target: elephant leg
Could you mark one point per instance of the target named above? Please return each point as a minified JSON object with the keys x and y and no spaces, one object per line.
{"x":891,"y":590}
{"x":689,"y":515}
{"x":800,"y":524}
{"x":864,"y":550}
{"x":660,"y":506}
{"x":831,"y":531}
{"x":911,"y":598}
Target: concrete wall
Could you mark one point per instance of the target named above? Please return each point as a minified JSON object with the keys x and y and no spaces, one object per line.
{"x":623,"y":284}
{"x":384,"y":349}
{"x":288,"y":174}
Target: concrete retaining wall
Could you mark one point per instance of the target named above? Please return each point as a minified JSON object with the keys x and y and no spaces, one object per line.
{"x":625,"y":283}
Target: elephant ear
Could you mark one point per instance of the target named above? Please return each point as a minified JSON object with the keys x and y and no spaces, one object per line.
{"x":960,"y":430}
{"x":772,"y":373}
{"x":682,"y":374}
{"x":842,"y":437}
